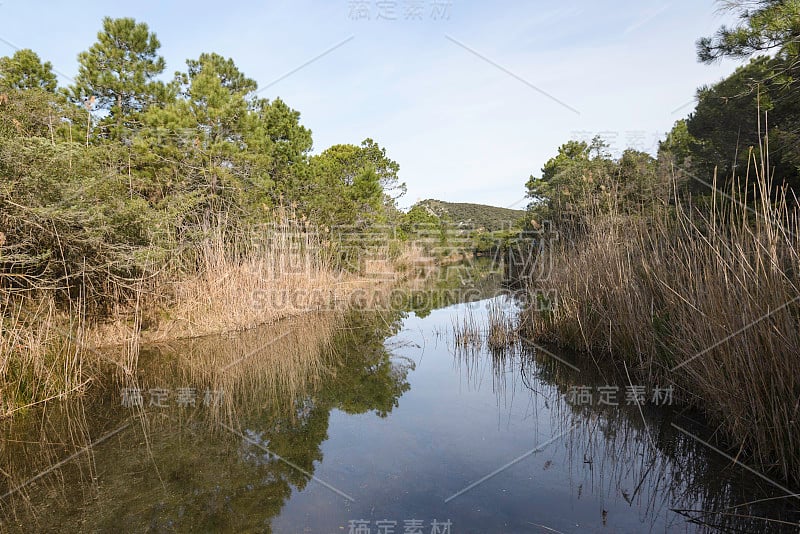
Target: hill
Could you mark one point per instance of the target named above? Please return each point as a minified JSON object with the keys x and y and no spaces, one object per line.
{"x":490,"y":218}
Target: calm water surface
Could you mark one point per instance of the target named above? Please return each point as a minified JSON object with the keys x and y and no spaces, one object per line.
{"x":367,"y":423}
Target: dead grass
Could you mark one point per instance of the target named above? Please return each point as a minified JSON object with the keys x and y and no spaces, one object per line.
{"x":466,"y":330}
{"x":502,"y":328}
{"x":40,"y":359}
{"x":230,"y":282}
{"x":708,"y":300}
{"x":498,"y":331}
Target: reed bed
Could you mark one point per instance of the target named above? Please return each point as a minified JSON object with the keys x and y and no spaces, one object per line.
{"x":232,"y":279}
{"x":497,"y":330}
{"x":466,"y":330}
{"x":707,"y":299}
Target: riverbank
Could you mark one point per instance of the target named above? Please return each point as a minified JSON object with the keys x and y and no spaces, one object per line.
{"x":383,"y":408}
{"x":51,"y":349}
{"x":703,"y":297}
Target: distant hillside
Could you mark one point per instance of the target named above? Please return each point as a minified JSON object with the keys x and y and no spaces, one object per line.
{"x":491,"y":218}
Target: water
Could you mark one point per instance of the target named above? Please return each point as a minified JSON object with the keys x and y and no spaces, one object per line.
{"x":350,"y":420}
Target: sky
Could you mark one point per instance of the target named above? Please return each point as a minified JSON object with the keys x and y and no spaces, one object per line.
{"x":470,"y":98}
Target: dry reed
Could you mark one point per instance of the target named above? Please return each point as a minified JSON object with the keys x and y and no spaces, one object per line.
{"x":708,"y":300}
{"x":233,"y":280}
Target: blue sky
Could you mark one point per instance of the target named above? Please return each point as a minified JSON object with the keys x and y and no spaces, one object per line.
{"x":469,"y":97}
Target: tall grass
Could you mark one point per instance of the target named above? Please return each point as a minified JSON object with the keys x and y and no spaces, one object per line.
{"x":502,"y":328}
{"x":247,"y":279}
{"x":467,"y":331}
{"x":40,"y":355}
{"x":497,"y":330}
{"x":703,"y":297}
{"x":232,"y":278}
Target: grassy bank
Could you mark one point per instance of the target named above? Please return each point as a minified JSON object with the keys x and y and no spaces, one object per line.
{"x":705,"y":296}
{"x":52,"y":346}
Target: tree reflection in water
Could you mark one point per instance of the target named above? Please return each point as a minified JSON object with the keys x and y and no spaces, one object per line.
{"x":178,"y":468}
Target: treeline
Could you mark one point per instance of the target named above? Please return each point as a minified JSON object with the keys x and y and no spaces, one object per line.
{"x":106,"y":179}
{"x":475,"y":216}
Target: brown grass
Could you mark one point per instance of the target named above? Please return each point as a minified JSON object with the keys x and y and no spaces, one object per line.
{"x":502,"y":328}
{"x":466,"y":330}
{"x":708,"y":300}
{"x":497,"y":331}
{"x":229,"y":282}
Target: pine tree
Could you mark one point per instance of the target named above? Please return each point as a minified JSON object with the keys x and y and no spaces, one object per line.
{"x":24,"y":70}
{"x":119,"y":71}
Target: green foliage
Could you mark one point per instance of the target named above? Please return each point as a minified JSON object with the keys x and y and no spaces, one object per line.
{"x":460,"y":229}
{"x":215,"y":95}
{"x":24,"y":70}
{"x":572,"y":156}
{"x":374,"y":156}
{"x":86,"y":201}
{"x":638,"y":181}
{"x":424,"y":226}
{"x":678,"y":143}
{"x":759,"y":100}
{"x":417,"y":219}
{"x":575,"y":180}
{"x":275,"y":136}
{"x":68,"y":220}
{"x":475,"y":216}
{"x":722,"y":134}
{"x":764,"y":26}
{"x":351,"y":185}
{"x":39,"y":113}
{"x":119,"y":71}
{"x":583,"y":180}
